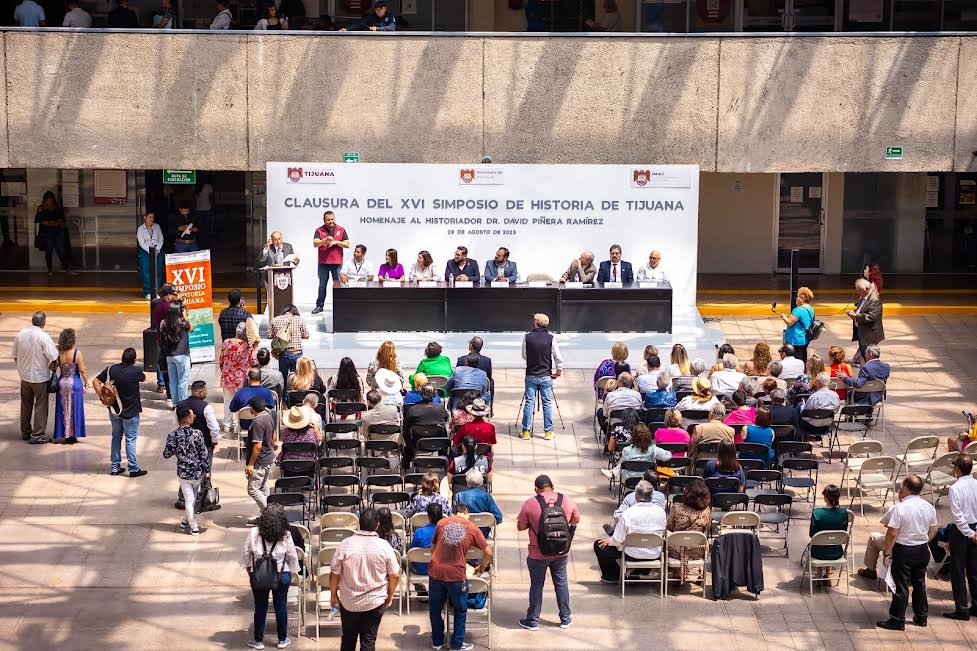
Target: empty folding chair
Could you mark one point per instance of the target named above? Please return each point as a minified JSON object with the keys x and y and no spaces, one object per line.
{"x":390,"y":499}
{"x":876,"y":473}
{"x":341,"y":519}
{"x":920,"y":453}
{"x":348,"y":501}
{"x":383,"y":448}
{"x":762,"y":481}
{"x":784,"y":433}
{"x":336,"y":465}
{"x":940,"y":476}
{"x":479,"y":585}
{"x":343,"y":447}
{"x":380,"y":432}
{"x":426,"y":464}
{"x":801,"y":449}
{"x":801,"y":473}
{"x":380,"y":483}
{"x":295,"y":597}
{"x":851,"y":419}
{"x":341,"y":430}
{"x":752,"y":464}
{"x":774,"y":511}
{"x":291,"y":501}
{"x":332,"y":536}
{"x":366,"y":466}
{"x":823,"y":539}
{"x":244,"y":418}
{"x":679,"y":541}
{"x":323,"y":601}
{"x":725,"y":502}
{"x":412,"y":481}
{"x":645,"y":541}
{"x":858,"y":452}
{"x":739,"y":520}
{"x":601,"y":386}
{"x":436,"y":446}
{"x":708,"y":449}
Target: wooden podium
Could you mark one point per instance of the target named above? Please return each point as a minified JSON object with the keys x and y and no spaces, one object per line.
{"x":278,"y":281}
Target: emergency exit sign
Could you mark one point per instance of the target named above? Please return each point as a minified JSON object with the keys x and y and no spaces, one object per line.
{"x":351,"y":157}
{"x":180,"y":177}
{"x":893,"y":153}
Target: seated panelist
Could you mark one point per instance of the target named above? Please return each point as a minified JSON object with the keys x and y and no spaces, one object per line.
{"x":615,"y":270}
{"x":501,"y":268}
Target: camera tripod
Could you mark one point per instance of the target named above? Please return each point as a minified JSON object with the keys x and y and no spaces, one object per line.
{"x":538,"y":407}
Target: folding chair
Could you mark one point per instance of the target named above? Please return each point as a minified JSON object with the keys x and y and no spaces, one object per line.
{"x":382,"y":431}
{"x":707,"y":450}
{"x":341,"y":409}
{"x":419,"y":520}
{"x":676,"y":541}
{"x":801,"y":473}
{"x":332,"y":536}
{"x":390,"y":499}
{"x":858,"y":452}
{"x":380,"y":483}
{"x":783,"y":433}
{"x":872,"y":386}
{"x":817,"y":423}
{"x":678,"y":464}
{"x":295,"y":598}
{"x":438,"y":382}
{"x":244,"y":414}
{"x":643,"y":541}
{"x":366,"y":466}
{"x":293,"y":398}
{"x":675,"y":448}
{"x":752,"y":464}
{"x":875,"y":474}
{"x":739,"y":520}
{"x":425,"y":464}
{"x":823,"y":539}
{"x":757,"y":479}
{"x":654,"y":415}
{"x":478,"y":585}
{"x":758,"y":451}
{"x":779,"y":515}
{"x":415,"y":555}
{"x":342,"y":447}
{"x":722,"y":503}
{"x":344,"y":430}
{"x":801,"y":449}
{"x":330,"y":465}
{"x":631,"y":466}
{"x":412,"y":481}
{"x":432,"y":446}
{"x":920,"y":452}
{"x":940,"y":475}
{"x":348,"y":501}
{"x":289,"y":501}
{"x":851,"y":419}
{"x":383,"y":448}
{"x":347,"y":520}
{"x":676,"y":485}
{"x":487,"y":520}
{"x":323,"y":594}
{"x":601,"y":386}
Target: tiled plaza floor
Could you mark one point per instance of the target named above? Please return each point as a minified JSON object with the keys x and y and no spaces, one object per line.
{"x":92,"y":561}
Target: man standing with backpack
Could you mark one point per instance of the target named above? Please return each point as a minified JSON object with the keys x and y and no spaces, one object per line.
{"x":551,"y":519}
{"x":117,"y":387}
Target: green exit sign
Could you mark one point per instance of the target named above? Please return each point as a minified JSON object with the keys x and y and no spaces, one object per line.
{"x":351,"y":157}
{"x":893,"y":153}
{"x":180,"y":177}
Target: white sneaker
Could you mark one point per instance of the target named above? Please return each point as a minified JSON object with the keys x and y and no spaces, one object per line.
{"x":607,"y":473}
{"x":254,"y":644}
{"x":284,"y":643}
{"x":565,"y":624}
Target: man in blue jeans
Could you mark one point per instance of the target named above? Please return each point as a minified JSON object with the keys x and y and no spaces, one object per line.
{"x":447,"y":574}
{"x":124,"y":411}
{"x":538,"y":563}
{"x":544,"y":363}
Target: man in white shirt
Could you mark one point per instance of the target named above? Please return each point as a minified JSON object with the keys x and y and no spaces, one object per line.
{"x":652,"y":272}
{"x":357,"y":267}
{"x":728,"y":380}
{"x":912,"y":522}
{"x":33,"y":353}
{"x":963,"y":539}
{"x":791,"y":366}
{"x":644,"y":517}
{"x":823,"y":398}
{"x":30,"y":14}
{"x":223,"y":18}
{"x":623,"y":397}
{"x":149,"y":236}
{"x":647,"y":381}
{"x":76,"y":16}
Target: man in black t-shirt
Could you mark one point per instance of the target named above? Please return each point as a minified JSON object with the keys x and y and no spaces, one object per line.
{"x":261,"y":453}
{"x":125,"y":413}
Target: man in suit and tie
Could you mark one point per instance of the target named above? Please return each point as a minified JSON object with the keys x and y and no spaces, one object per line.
{"x":872,"y":369}
{"x":866,"y":318}
{"x":582,"y":269}
{"x":615,"y":270}
{"x":275,"y":251}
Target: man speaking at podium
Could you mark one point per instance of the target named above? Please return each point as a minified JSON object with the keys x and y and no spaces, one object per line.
{"x":277,"y":252}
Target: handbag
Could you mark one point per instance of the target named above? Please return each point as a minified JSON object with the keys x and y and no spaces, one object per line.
{"x":208,"y":497}
{"x":54,"y":382}
{"x":280,"y":342}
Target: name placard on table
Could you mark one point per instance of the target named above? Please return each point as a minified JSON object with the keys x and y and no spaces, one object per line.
{"x":537,"y":283}
{"x":648,"y":284}
{"x":613,"y":285}
{"x":427,"y":283}
{"x":464,"y":283}
{"x":573,"y":285}
{"x":500,"y":283}
{"x":392,"y":283}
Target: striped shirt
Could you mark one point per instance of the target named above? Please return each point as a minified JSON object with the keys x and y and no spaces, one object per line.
{"x":363,"y":561}
{"x":294,"y":326}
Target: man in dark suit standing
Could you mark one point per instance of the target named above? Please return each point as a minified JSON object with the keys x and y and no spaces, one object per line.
{"x":872,"y":369}
{"x":866,"y":318}
{"x":475,"y":348}
{"x":615,"y":270}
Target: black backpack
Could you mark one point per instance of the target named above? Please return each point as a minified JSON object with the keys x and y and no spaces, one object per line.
{"x":554,"y":534}
{"x":265,"y":574}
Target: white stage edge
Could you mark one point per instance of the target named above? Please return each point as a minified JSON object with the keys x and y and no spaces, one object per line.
{"x":580,"y":350}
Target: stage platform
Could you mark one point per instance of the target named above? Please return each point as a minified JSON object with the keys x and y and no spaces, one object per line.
{"x":580,"y":350}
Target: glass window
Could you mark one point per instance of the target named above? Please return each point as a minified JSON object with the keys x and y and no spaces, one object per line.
{"x":17,"y":230}
{"x":450,"y":16}
{"x":866,"y":15}
{"x":884,"y":221}
{"x":916,"y":16}
{"x":959,"y":15}
{"x":764,"y":15}
{"x":951,"y":222}
{"x":665,"y":16}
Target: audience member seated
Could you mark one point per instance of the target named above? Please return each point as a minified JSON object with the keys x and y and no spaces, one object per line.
{"x":619,"y":354}
{"x":461,"y":415}
{"x":469,"y":376}
{"x":250,"y":390}
{"x":961,"y":440}
{"x":379,"y":413}
{"x":774,"y":371}
{"x":839,"y":368}
{"x":750,"y":389}
{"x":424,"y":538}
{"x":271,"y":378}
{"x":768,"y":386}
{"x":347,"y":379}
{"x":742,"y":413}
{"x":642,"y":448}
{"x":475,"y":348}
{"x":828,"y":518}
{"x":872,"y":369}
{"x":305,"y":377}
{"x":663,"y":396}
{"x":296,"y":428}
{"x":725,"y":465}
{"x":386,"y":358}
{"x":673,"y":431}
{"x":622,"y":397}
{"x":701,"y":397}
{"x":622,"y":430}
{"x":760,"y":432}
{"x":309,"y":403}
{"x":780,"y":413}
{"x":822,"y":398}
{"x":413,"y":396}
{"x":791,"y":366}
{"x":466,"y":457}
{"x":657,"y":497}
{"x":647,"y":380}
{"x":715,"y":430}
{"x":805,"y":382}
{"x":692,"y":513}
{"x":391,"y":387}
{"x":434,"y":363}
{"x":721,"y":352}
{"x":478,"y":428}
{"x":429,"y":492}
{"x":758,"y":365}
{"x":426,"y":412}
{"x":644,"y":517}
{"x":727,"y":380}
{"x":650,"y":365}
{"x":386,"y":531}
{"x":476,"y":498}
{"x":680,"y":362}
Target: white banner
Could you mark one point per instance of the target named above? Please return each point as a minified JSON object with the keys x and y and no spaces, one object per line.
{"x":544,"y":214}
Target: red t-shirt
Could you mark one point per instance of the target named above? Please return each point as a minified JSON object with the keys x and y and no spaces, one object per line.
{"x":531,"y":513}
{"x":331,"y":254}
{"x":453,"y":537}
{"x":479,"y":429}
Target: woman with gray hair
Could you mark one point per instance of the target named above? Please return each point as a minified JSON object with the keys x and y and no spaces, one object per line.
{"x":866,"y":318}
{"x":236,"y":358}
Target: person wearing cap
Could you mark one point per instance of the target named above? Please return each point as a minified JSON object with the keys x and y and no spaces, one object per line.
{"x":528,"y":520}
{"x":390,"y":386}
{"x":544,"y":363}
{"x":377,"y":20}
{"x":478,"y":428}
{"x":297,"y":428}
{"x":251,"y":390}
{"x":468,"y":376}
{"x":260,"y":446}
{"x":426,"y":412}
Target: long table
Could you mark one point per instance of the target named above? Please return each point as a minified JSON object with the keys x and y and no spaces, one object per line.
{"x":370,"y":307}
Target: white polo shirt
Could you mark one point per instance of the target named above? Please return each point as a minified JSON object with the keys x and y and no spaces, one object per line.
{"x":963,"y":504}
{"x":913,"y":517}
{"x":357,"y":270}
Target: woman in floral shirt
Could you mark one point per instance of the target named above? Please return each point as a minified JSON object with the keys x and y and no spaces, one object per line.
{"x":237,"y":357}
{"x":297,"y":428}
{"x":187,"y":443}
{"x":430,"y":485}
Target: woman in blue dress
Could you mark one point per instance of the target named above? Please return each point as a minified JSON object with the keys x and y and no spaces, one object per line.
{"x":69,"y":412}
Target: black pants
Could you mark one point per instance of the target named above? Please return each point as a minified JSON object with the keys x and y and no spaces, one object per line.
{"x":363,"y":624}
{"x":800,"y":352}
{"x":909,"y":571}
{"x":963,"y":568}
{"x":609,"y":559}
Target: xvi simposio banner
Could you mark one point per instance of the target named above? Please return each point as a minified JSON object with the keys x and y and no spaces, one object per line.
{"x":190,"y":274}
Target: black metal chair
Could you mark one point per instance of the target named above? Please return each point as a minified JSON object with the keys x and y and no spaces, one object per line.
{"x":343,"y":446}
{"x":674,"y":448}
{"x":341,"y":409}
{"x":631,"y":466}
{"x":390,"y":499}
{"x":756,"y":451}
{"x":366,"y":466}
{"x":430,"y":464}
{"x":775,"y":517}
{"x":289,"y":501}
{"x":383,"y":448}
{"x":678,"y":464}
{"x":384,"y":430}
{"x":382,"y":483}
{"x":723,"y":485}
{"x":756,"y":480}
{"x":801,"y":474}
{"x":293,"y":398}
{"x":783,"y":433}
{"x":752,"y":464}
{"x":437,"y":446}
{"x":347,"y":501}
{"x":655,"y":415}
{"x":330,"y":465}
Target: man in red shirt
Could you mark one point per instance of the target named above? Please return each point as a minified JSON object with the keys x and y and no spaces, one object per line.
{"x":479,"y":429}
{"x":447,"y":577}
{"x":529,"y":518}
{"x":330,"y":239}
